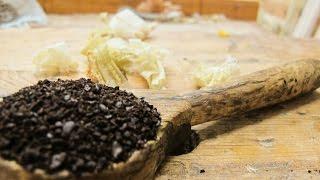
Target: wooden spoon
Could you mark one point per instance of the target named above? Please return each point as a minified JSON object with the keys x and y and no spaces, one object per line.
{"x":247,"y":93}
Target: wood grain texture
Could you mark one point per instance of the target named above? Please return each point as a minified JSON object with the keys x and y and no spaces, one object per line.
{"x":273,"y":143}
{"x":237,"y":9}
{"x":257,"y":90}
{"x":85,"y":6}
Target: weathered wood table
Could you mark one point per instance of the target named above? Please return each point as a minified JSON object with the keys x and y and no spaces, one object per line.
{"x":278,"y":142}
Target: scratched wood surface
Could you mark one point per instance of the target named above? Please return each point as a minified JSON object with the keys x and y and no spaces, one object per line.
{"x":278,"y":142}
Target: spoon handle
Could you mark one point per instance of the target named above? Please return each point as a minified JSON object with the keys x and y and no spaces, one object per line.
{"x":256,"y":90}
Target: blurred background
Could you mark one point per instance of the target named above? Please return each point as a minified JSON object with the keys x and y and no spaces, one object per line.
{"x":296,"y":18}
{"x":279,"y":16}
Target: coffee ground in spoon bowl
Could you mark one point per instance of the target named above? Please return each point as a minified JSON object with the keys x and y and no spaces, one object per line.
{"x":74,"y":125}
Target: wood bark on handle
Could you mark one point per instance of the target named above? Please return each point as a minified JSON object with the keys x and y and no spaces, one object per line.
{"x":257,"y":90}
{"x":250,"y":92}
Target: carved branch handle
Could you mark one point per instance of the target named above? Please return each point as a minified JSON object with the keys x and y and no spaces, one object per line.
{"x":257,"y":90}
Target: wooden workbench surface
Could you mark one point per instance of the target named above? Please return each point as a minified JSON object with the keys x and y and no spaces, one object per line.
{"x":278,"y":142}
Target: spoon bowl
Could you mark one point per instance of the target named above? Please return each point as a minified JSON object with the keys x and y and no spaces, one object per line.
{"x":250,"y":92}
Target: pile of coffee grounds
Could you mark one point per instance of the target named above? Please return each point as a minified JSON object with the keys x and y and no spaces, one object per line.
{"x":74,"y":125}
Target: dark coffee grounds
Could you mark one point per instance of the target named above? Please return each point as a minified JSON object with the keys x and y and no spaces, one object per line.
{"x":77,"y":126}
